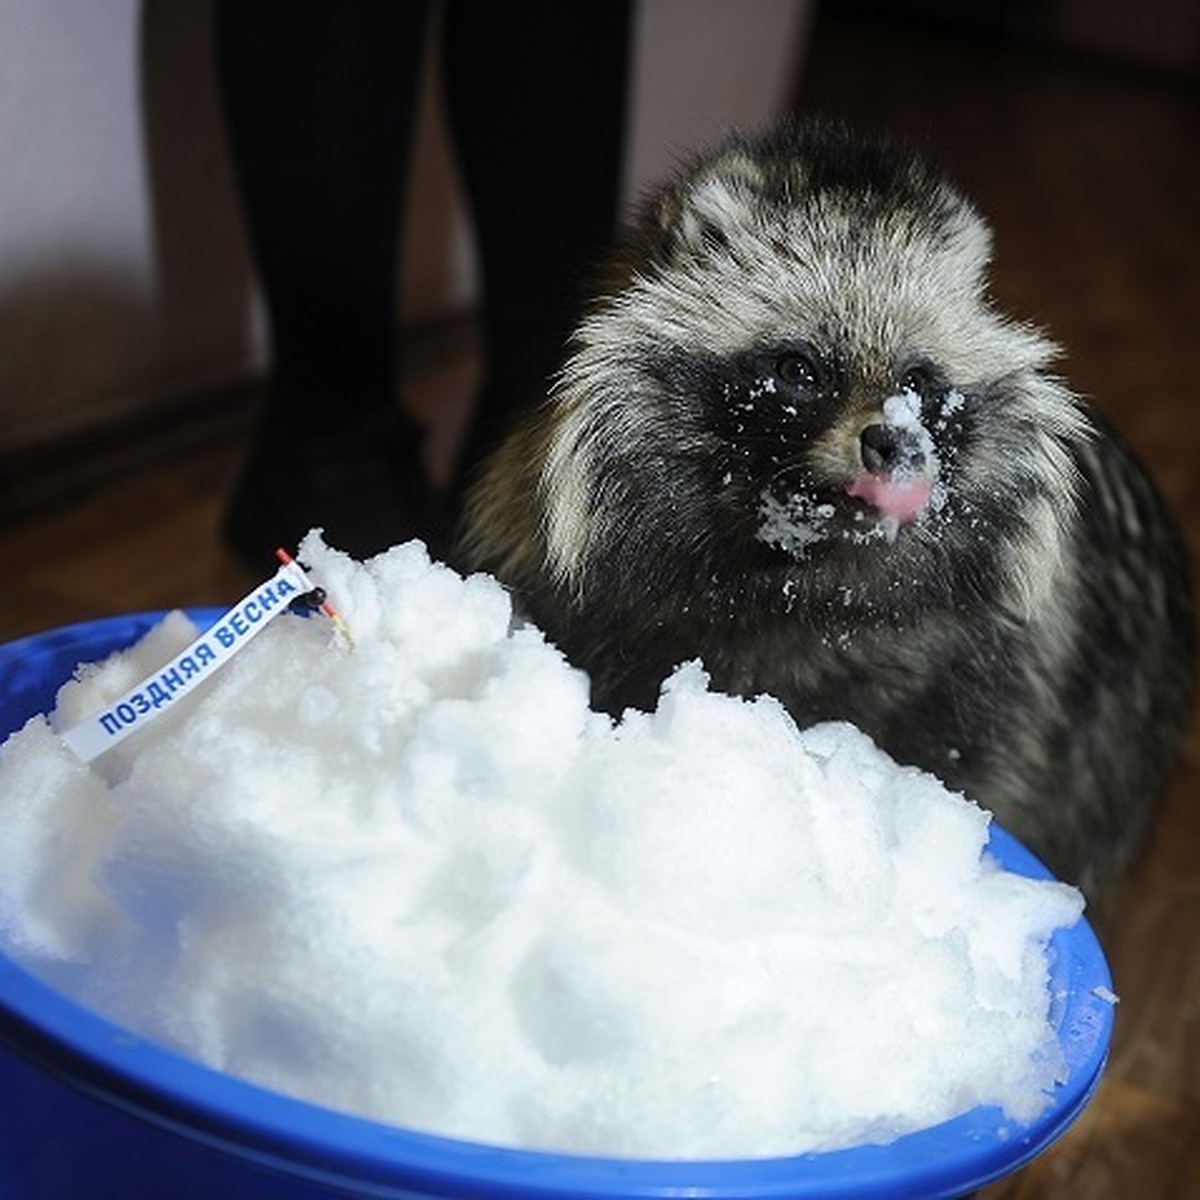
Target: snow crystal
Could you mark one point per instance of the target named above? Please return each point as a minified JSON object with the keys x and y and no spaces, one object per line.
{"x":419,"y":879}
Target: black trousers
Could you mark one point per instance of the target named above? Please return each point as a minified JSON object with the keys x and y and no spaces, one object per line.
{"x":319,"y":99}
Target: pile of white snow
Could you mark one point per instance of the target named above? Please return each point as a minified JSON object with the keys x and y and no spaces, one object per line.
{"x":416,"y":878}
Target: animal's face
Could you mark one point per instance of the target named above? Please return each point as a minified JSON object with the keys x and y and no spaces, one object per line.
{"x":801,"y":368}
{"x":804,"y":458}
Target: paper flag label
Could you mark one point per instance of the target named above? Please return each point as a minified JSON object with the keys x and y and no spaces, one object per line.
{"x":237,"y":628}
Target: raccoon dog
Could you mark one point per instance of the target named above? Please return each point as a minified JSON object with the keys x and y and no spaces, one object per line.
{"x":794,"y":439}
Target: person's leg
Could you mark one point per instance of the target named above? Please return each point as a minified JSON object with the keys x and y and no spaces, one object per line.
{"x":536,"y":93}
{"x":319,"y":98}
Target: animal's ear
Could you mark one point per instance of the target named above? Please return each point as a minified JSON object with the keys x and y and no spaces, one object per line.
{"x":702,"y":211}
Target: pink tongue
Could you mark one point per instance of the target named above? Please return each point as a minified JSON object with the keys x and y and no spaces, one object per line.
{"x":902,"y":499}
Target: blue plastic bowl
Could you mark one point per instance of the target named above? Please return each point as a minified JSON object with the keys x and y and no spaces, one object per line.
{"x":91,"y":1110}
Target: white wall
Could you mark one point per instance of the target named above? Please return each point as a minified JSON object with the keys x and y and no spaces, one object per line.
{"x":123,"y":272}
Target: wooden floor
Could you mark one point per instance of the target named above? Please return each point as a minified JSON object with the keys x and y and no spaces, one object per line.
{"x":1092,"y":180}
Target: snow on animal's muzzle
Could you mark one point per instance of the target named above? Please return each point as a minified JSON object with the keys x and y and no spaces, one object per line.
{"x":898,"y":463}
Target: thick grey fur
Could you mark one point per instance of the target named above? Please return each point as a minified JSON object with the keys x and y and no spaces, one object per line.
{"x":682,"y":493}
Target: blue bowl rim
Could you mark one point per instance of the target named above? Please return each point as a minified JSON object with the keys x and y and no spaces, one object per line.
{"x":303,"y":1140}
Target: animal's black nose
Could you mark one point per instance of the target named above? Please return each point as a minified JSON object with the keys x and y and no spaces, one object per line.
{"x":886,"y":449}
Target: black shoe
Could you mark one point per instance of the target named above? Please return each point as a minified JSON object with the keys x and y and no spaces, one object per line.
{"x":365,"y":486}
